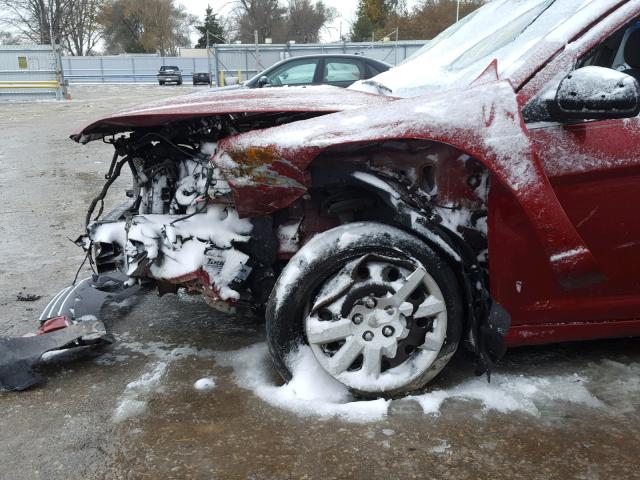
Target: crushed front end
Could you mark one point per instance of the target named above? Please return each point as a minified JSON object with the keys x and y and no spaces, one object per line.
{"x":179,"y":228}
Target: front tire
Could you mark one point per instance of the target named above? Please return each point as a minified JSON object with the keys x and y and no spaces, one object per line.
{"x":381,"y":311}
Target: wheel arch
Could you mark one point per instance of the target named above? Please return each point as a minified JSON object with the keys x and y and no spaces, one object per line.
{"x":486,"y":322}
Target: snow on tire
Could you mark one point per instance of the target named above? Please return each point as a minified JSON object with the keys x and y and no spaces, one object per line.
{"x":381,"y":310}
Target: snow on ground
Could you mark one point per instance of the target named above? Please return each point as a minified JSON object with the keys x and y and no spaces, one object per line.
{"x":205,"y":384}
{"x":134,"y":399}
{"x":609,"y":386}
{"x":513,"y":393}
{"x":313,"y":393}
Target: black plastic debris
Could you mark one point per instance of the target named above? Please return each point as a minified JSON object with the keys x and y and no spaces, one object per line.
{"x":86,"y":298}
{"x":20,"y":357}
{"x":29,"y":297}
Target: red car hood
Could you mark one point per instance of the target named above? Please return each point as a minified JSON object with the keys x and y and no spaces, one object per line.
{"x":322,"y":98}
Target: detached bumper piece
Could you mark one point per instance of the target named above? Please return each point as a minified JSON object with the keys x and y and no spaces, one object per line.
{"x":20,"y":357}
{"x":68,"y":324}
{"x":85,"y":299}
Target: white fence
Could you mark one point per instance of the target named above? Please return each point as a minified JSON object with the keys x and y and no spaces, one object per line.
{"x":30,"y":72}
{"x":241,"y":61}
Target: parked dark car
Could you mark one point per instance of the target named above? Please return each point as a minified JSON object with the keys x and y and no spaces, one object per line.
{"x":169,"y":74}
{"x":201,"y":78}
{"x":336,"y":70}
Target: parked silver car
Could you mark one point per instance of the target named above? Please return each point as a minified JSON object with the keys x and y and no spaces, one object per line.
{"x":169,"y":74}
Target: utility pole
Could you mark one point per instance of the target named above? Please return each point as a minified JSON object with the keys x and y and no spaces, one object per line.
{"x":57,"y":56}
{"x":395,"y":50}
{"x":458,"y":11}
{"x":209,"y":60}
{"x":255,"y":36}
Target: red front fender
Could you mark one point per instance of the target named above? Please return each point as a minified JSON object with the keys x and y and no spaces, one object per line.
{"x":266,"y":169}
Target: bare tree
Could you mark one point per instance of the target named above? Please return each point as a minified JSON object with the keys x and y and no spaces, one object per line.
{"x":37,"y":20}
{"x":264,"y":16}
{"x":82,"y":30}
{"x":71,"y":24}
{"x":299,"y":20}
{"x":183,"y":22}
{"x":305,"y":20}
{"x":145,"y":26}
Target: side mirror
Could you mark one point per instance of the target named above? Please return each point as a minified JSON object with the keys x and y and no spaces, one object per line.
{"x":596,"y":93}
{"x":263,"y":81}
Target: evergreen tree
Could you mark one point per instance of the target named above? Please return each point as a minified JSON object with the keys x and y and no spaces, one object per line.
{"x":371,"y":17}
{"x":211,"y":24}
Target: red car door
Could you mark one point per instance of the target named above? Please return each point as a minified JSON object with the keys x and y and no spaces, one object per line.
{"x":594,"y":167}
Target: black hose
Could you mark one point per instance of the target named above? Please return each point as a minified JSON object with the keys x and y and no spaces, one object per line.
{"x":101,"y":196}
{"x":75,"y":279}
{"x":206,"y":203}
{"x":166,"y":140}
{"x":114,"y":173}
{"x":112,"y":166}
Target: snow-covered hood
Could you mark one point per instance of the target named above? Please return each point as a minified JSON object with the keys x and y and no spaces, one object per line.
{"x":324,"y":99}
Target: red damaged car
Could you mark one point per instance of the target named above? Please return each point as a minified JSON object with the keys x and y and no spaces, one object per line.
{"x":482,"y":193}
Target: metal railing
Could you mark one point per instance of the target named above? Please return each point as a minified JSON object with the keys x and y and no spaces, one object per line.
{"x":31,"y":72}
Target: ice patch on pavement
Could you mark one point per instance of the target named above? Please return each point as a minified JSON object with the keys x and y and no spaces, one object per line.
{"x":108,"y":359}
{"x":311,"y":392}
{"x":513,"y":393}
{"x":133,"y":401}
{"x":441,"y":449}
{"x":205,"y":384}
{"x":129,"y":407}
{"x":616,"y":384}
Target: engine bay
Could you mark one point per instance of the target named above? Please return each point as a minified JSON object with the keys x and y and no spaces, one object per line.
{"x":179,"y":226}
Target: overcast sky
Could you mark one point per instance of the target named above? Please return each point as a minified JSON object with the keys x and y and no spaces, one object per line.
{"x":346,"y":10}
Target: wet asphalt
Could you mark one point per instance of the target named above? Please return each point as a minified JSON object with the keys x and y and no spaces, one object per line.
{"x":67,"y":428}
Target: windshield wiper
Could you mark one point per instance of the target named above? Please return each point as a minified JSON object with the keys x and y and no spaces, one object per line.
{"x":382,"y":89}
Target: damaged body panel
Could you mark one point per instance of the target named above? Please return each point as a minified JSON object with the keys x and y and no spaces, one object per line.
{"x":318,"y":99}
{"x":384,"y":232}
{"x":484,"y":123}
{"x":20,"y":357}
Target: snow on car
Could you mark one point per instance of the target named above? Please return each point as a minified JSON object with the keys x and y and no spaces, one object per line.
{"x":477,"y":194}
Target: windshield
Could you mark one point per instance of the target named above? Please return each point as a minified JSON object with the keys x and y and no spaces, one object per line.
{"x":503,"y":29}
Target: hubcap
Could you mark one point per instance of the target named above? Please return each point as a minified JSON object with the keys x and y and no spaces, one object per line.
{"x":383,"y":329}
